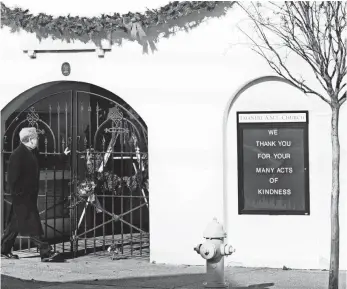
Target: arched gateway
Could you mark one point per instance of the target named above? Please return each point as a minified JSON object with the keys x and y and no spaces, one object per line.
{"x":99,"y":196}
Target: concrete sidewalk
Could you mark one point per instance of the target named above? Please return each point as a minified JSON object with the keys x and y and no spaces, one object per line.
{"x":99,"y":271}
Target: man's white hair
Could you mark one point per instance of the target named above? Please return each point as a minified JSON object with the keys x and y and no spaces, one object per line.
{"x":26,"y":133}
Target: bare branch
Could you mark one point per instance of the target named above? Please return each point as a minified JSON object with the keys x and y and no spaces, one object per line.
{"x":297,"y":83}
{"x":343,"y":99}
{"x":312,"y":30}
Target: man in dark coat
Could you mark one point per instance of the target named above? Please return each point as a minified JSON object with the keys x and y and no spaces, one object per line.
{"x":23,"y":183}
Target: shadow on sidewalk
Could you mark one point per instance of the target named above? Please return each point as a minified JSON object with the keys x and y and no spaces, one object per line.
{"x":193,"y":281}
{"x":8,"y":282}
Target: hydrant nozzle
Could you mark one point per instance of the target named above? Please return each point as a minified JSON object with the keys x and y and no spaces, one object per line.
{"x":197,"y":248}
{"x":226,"y":250}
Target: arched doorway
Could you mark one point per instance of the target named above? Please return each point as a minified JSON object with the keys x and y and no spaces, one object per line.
{"x":98,"y":197}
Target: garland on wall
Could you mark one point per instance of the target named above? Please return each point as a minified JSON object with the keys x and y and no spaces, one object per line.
{"x":146,"y":28}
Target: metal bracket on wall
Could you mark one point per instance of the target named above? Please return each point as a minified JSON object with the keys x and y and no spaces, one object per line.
{"x":100,"y":52}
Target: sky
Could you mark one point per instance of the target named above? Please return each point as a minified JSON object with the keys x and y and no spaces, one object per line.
{"x":81,"y":8}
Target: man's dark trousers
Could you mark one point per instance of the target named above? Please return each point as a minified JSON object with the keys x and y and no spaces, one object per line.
{"x":9,"y":237}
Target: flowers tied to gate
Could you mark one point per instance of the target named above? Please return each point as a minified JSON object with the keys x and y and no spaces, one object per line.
{"x":86,"y":188}
{"x":109,"y":181}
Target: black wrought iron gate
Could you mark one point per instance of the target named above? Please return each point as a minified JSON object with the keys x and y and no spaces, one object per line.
{"x":97,"y":198}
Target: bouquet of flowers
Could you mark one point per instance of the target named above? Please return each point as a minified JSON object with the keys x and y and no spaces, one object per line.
{"x":86,"y":188}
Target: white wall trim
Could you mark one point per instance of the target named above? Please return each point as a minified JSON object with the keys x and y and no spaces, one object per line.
{"x":229,"y":105}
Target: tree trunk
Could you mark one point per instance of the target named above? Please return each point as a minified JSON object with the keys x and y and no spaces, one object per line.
{"x":335,"y":192}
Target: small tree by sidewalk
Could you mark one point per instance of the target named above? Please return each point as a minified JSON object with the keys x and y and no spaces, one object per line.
{"x":317,"y":33}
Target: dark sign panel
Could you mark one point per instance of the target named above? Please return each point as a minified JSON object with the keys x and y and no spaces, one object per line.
{"x":273,"y":162}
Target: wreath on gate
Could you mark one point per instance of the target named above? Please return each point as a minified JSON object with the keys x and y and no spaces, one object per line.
{"x":109,"y":181}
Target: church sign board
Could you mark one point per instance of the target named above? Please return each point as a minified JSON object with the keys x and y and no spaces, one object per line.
{"x":273,"y":169}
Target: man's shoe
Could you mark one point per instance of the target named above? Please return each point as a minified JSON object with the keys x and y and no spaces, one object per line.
{"x":9,"y":256}
{"x":51,"y":256}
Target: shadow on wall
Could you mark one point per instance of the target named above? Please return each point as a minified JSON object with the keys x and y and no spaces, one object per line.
{"x":185,"y":281}
{"x":170,"y":28}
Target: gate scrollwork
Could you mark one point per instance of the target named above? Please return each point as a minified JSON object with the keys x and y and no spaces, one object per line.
{"x":111,"y":140}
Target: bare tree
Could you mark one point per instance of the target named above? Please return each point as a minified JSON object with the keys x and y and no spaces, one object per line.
{"x":316,"y":32}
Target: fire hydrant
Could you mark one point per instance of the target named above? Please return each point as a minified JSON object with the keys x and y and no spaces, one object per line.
{"x":214,"y":250}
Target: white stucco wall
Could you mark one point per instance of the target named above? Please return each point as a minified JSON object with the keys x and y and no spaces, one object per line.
{"x":181,"y":91}
{"x":293,"y":241}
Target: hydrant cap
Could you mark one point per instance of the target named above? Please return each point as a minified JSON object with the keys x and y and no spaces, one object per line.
{"x":214,"y":230}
